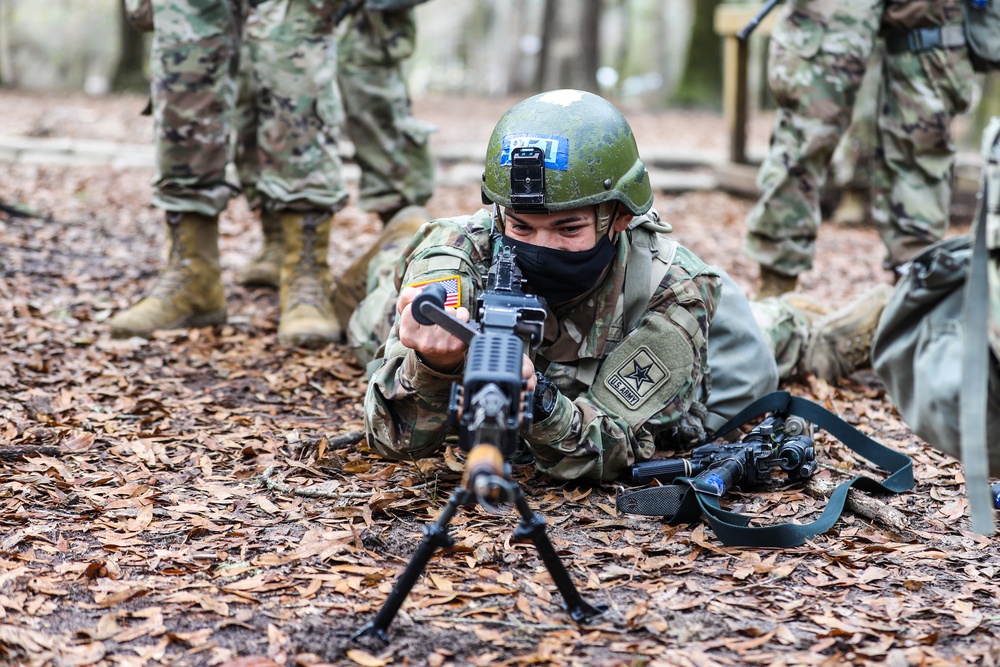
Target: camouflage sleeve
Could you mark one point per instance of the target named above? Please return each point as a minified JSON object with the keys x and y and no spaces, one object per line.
{"x":406,"y":404}
{"x":646,"y":384}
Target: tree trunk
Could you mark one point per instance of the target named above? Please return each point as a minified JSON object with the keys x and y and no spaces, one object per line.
{"x":590,"y":39}
{"x":550,"y":15}
{"x":569,"y":57}
{"x":129,"y":74}
{"x":6,"y":62}
{"x":701,"y":83}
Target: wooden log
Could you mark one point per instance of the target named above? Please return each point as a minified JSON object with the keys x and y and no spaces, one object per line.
{"x":863,"y":504}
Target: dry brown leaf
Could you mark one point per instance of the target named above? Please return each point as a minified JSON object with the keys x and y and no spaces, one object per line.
{"x":366,"y":659}
{"x":250,"y":661}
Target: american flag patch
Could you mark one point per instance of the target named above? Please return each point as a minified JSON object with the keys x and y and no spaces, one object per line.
{"x":451,"y":284}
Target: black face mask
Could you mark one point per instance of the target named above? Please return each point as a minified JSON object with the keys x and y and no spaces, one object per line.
{"x":559,"y":276}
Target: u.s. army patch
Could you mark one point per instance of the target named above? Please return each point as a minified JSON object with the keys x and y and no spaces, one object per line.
{"x":638,"y":377}
{"x":452,"y":285}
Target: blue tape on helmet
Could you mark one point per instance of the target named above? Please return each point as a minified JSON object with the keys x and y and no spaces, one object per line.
{"x":555,"y":149}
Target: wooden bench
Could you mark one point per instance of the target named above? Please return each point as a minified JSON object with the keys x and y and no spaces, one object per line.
{"x":729,"y":20}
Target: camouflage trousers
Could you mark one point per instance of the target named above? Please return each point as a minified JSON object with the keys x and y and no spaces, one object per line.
{"x":390,"y":145}
{"x":195,"y":63}
{"x":852,"y":159}
{"x":819,"y":54}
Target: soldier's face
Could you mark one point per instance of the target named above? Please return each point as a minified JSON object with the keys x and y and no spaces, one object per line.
{"x":574,"y":230}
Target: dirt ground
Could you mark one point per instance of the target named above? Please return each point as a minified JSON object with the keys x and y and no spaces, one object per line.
{"x":199,"y":499}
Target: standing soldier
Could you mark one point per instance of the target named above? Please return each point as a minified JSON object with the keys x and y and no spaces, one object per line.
{"x":194,"y":68}
{"x":373,"y":105}
{"x":390,"y":145}
{"x":819,"y":52}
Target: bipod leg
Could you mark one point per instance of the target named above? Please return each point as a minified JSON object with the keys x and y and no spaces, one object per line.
{"x":435,"y":536}
{"x":532,"y":526}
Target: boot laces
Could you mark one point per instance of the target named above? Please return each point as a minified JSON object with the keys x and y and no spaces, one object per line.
{"x":307,"y":287}
{"x":173,"y":277}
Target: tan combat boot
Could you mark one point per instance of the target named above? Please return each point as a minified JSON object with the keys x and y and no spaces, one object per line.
{"x":189,"y":291}
{"x":841,"y":342}
{"x":353,"y":285}
{"x":773,"y":283}
{"x":307,"y":318}
{"x":810,"y":309}
{"x":264,"y":270}
{"x":852,"y":211}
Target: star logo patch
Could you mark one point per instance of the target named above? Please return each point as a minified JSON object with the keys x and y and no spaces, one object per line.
{"x":636,"y":379}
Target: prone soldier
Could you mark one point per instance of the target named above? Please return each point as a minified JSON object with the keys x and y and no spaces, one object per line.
{"x":645,"y":345}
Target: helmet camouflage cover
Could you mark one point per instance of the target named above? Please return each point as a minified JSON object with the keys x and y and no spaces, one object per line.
{"x":561,"y":150}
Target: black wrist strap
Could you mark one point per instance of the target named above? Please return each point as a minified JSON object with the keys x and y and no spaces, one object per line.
{"x":732,"y":528}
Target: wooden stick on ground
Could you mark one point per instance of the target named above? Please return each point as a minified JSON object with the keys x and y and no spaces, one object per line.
{"x":863,"y":504}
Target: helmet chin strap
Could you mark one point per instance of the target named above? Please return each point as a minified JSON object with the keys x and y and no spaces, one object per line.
{"x":498,"y":218}
{"x":605,"y":212}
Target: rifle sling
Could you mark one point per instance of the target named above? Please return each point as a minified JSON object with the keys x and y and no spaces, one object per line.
{"x":732,"y":528}
{"x":975,"y":362}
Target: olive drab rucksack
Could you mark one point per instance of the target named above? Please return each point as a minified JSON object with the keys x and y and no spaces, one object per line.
{"x":950,"y":283}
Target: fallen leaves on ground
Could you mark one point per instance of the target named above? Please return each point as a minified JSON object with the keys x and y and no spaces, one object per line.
{"x":185,"y":500}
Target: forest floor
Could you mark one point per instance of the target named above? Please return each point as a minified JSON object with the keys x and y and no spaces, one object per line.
{"x":198,"y":499}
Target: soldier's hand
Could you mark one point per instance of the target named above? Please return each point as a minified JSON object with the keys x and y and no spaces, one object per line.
{"x":437,"y":348}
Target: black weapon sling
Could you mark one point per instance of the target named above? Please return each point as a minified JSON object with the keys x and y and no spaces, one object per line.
{"x":692,"y":502}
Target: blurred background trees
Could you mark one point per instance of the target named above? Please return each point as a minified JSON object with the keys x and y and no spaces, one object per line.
{"x":639,"y":49}
{"x":651,"y":53}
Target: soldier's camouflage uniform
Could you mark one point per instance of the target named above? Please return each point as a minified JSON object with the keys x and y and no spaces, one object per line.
{"x":593,"y":432}
{"x":852,"y":160}
{"x":370,"y":102}
{"x":819,"y":52}
{"x":194,"y":70}
{"x":390,"y":145}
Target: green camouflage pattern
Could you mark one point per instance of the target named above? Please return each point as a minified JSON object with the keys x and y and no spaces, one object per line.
{"x":194,"y":71}
{"x":245,"y":156}
{"x":786,"y":331}
{"x":406,"y":402}
{"x":390,"y":145}
{"x":852,"y":159}
{"x":913,"y":173}
{"x":819,"y":53}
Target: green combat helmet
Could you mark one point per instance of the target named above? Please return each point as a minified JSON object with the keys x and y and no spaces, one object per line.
{"x":562,"y":150}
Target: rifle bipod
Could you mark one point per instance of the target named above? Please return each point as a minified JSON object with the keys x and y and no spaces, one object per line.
{"x":486,"y":481}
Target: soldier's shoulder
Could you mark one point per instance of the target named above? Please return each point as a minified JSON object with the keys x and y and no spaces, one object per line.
{"x":470,"y":232}
{"x":690,"y":264}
